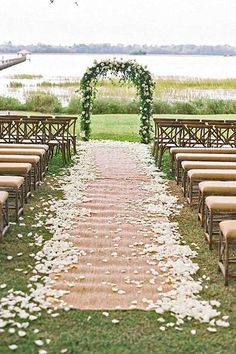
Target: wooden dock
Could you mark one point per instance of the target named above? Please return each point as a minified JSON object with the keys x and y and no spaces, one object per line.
{"x":7,"y":63}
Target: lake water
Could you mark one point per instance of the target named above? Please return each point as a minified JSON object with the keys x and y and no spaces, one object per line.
{"x":59,"y":67}
{"x":74,"y":65}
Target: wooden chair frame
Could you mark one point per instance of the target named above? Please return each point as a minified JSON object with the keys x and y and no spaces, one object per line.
{"x":71,"y":129}
{"x":212,"y":220}
{"x":224,"y":257}
{"x":202,"y":206}
{"x":4,"y":219}
{"x":57,"y":132}
{"x":189,"y":133}
{"x":30,"y":130}
{"x":16,"y":196}
{"x":167,"y":135}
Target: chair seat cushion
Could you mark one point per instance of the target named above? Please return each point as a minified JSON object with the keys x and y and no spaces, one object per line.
{"x":217,"y":187}
{"x":212,"y":174}
{"x":20,"y":158}
{"x":24,"y":146}
{"x":3,"y":197}
{"x":17,"y":151}
{"x":11,"y":181}
{"x":15,"y":167}
{"x":206,"y":157}
{"x":228,"y":228}
{"x":221,"y":203}
{"x":226,"y":150}
{"x":53,"y":142}
{"x":189,"y":165}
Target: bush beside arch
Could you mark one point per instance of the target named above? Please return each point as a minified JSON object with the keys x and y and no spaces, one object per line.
{"x":129,"y":71}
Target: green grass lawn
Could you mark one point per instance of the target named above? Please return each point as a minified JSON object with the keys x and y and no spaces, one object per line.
{"x":138,"y":331}
{"x":126,"y":126}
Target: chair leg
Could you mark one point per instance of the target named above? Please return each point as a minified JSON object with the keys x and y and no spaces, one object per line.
{"x":209,"y":227}
{"x":68,"y":148}
{"x":226,"y":265}
{"x":201,"y":207}
{"x":189,"y":191}
{"x":63,"y":151}
{"x":6,"y":217}
{"x":172,"y":164}
{"x":160,"y":158}
{"x":1,"y":221}
{"x":17,"y":205}
{"x":35,"y":176}
{"x":74,"y":144}
{"x":156,"y":154}
{"x":184,"y":178}
{"x":177,"y":171}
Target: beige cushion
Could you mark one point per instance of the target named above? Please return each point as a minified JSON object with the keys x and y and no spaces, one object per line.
{"x":53,"y":142}
{"x":212,"y":174}
{"x":20,"y":158}
{"x":24,"y":146}
{"x":15,"y":167}
{"x":217,"y":187}
{"x":222,"y":150}
{"x":189,"y":165}
{"x":17,"y":151}
{"x":228,"y":228}
{"x":11,"y":181}
{"x":221,"y":203}
{"x":3,"y":197}
{"x":206,"y":157}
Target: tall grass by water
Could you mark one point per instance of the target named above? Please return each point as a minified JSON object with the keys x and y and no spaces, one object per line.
{"x":26,"y":76}
{"x":160,"y":83}
{"x":166,"y":88}
{"x":171,"y":96}
{"x":40,"y":101}
{"x":15,"y":84}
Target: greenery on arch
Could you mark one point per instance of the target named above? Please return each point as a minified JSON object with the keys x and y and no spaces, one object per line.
{"x":129,"y":71}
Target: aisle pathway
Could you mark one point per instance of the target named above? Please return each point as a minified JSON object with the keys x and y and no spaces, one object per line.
{"x":114,"y":271}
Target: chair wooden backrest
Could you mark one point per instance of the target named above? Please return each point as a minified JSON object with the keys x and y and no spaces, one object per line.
{"x":72,"y":124}
{"x":56,"y":129}
{"x":195,"y":134}
{"x":223,"y":135}
{"x":29,"y":131}
{"x":7,"y":130}
{"x":167,"y":133}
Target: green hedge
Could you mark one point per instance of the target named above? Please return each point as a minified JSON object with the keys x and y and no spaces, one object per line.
{"x":112,"y":106}
{"x":9,"y":103}
{"x":40,"y":101}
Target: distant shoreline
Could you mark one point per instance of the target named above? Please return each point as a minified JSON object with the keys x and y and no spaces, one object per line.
{"x":130,"y":54}
{"x":120,"y":49}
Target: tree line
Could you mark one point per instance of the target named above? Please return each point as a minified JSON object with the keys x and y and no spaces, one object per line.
{"x":107,"y":48}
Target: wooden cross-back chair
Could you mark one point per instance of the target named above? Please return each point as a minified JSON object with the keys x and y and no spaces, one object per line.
{"x":7,"y":131}
{"x":56,"y":134}
{"x":167,"y":135}
{"x":29,"y":131}
{"x":223,"y":135}
{"x":195,"y":134}
{"x":71,"y":129}
{"x":192,"y":133}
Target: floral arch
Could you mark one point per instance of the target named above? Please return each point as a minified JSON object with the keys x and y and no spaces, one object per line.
{"x":129,"y":71}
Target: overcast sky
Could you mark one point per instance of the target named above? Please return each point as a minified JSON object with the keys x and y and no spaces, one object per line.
{"x":118,"y":21}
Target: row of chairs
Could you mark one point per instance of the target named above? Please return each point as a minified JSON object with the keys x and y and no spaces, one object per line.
{"x":22,"y":169}
{"x":59,"y":132}
{"x":207,"y":177}
{"x":191,"y":133}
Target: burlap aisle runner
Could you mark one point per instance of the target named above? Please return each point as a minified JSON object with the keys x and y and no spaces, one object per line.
{"x":114,"y":272}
